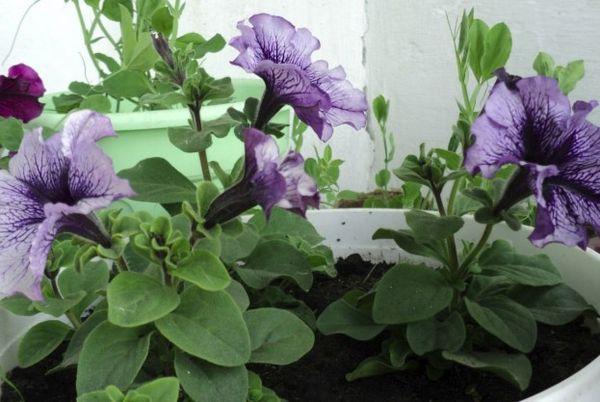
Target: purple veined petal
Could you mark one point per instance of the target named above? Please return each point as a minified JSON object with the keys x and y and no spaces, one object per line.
{"x":537,"y":177}
{"x":289,"y":84}
{"x":92,"y":177}
{"x":85,"y":126}
{"x":41,"y":165}
{"x":272,"y":38}
{"x":301,"y":190}
{"x":565,"y":218}
{"x":20,"y":217}
{"x":261,"y":151}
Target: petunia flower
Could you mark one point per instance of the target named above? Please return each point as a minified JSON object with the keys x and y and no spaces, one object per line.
{"x":280,"y":54}
{"x":267,"y":182}
{"x":20,"y":92}
{"x":529,"y":122}
{"x":53,"y":186}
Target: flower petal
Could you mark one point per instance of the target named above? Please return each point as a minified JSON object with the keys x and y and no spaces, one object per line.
{"x":20,"y":217}
{"x":565,"y":218}
{"x":19,"y":93}
{"x":301,"y":190}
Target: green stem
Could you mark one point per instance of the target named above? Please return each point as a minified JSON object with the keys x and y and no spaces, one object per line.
{"x":464,"y":267}
{"x":195,"y":111}
{"x":107,"y":34}
{"x":450,"y":240}
{"x":176,"y":16}
{"x":86,"y":37}
{"x":453,"y":193}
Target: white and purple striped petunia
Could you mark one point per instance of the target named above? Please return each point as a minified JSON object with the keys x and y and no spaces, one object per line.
{"x":267,"y":182}
{"x":280,"y":54}
{"x":529,"y":122}
{"x":53,"y":186}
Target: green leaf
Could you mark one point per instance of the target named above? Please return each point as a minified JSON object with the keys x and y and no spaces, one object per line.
{"x":208,"y":325}
{"x":277,"y":336}
{"x":479,"y":195}
{"x":554,"y":305}
{"x":92,"y":278}
{"x":111,"y":8}
{"x":371,"y":367}
{"x":205,"y":382}
{"x":167,"y":99}
{"x":213,"y":45}
{"x":56,"y":306}
{"x":160,"y":390}
{"x":18,"y":305}
{"x":64,"y":103}
{"x":408,"y":293}
{"x":11,"y":133}
{"x":162,"y":21}
{"x":71,"y":355}
{"x":111,"y":355}
{"x":219,"y":127}
{"x":544,"y":64}
{"x":41,"y":340}
{"x":476,"y":38}
{"x":204,"y":270}
{"x":284,"y":223}
{"x":501,"y":259}
{"x":110,"y":63}
{"x":406,"y":241}
{"x":205,"y":195}
{"x":430,"y":334}
{"x":569,"y":76}
{"x":126,"y":84}
{"x":452,"y":159}
{"x":98,"y":103}
{"x":428,"y":227}
{"x":382,"y":178}
{"x":341,"y":317}
{"x":507,"y":320}
{"x":514,"y":368}
{"x":189,"y":140}
{"x":239,"y":295}
{"x":235,"y":246}
{"x":381,"y":108}
{"x":156,"y":180}
{"x":497,"y":47}
{"x":135,"y":299}
{"x":275,"y":259}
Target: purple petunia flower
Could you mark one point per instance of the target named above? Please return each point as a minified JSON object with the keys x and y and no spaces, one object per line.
{"x":529,"y":122}
{"x":266,"y":182}
{"x":280,"y":54}
{"x":20,"y":92}
{"x":53,"y":187}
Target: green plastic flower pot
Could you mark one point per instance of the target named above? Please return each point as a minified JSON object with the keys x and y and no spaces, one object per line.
{"x":143,"y":134}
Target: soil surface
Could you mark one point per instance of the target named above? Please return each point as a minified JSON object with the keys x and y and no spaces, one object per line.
{"x":319,"y":376}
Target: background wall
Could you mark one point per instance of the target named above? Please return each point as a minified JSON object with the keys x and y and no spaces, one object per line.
{"x":401,"y":48}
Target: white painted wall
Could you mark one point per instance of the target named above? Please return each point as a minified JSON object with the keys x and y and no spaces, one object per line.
{"x":401,"y":48}
{"x":410,"y":58}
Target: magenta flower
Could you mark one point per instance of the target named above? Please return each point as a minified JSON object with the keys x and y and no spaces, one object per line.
{"x":266,"y":182}
{"x":529,"y":122}
{"x":20,"y":92}
{"x":53,"y":187}
{"x":280,"y":54}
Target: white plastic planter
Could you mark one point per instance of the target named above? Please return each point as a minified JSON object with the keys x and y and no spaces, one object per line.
{"x":349,"y":231}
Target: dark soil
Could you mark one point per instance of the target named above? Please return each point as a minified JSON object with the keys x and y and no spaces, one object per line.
{"x":319,"y":376}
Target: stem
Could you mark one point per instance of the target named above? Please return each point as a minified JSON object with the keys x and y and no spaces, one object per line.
{"x":453,"y":193}
{"x":195,"y":111}
{"x":450,"y":240}
{"x":464,"y":267}
{"x":86,"y":37}
{"x":107,"y":35}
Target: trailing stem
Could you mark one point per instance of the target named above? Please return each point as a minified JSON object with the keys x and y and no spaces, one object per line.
{"x":464,"y":267}
{"x":450,"y":241}
{"x":195,"y":111}
{"x":86,"y":37}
